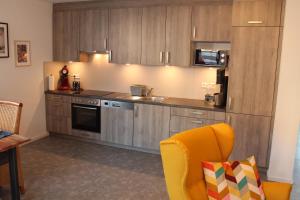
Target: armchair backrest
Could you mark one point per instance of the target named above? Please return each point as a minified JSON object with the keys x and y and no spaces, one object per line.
{"x":10,"y":114}
{"x":183,"y":153}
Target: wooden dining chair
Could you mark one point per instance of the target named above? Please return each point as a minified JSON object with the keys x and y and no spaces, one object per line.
{"x":10,"y":115}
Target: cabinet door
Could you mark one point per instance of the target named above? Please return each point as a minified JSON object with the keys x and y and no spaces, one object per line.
{"x":117,"y":125}
{"x":252,"y":70}
{"x":151,"y":125}
{"x":212,"y":22}
{"x":252,"y":136}
{"x":93,"y":30}
{"x":58,"y":124}
{"x":66,"y":35}
{"x":178,"y":30}
{"x":125,"y":34}
{"x":153,"y":35}
{"x":256,"y":12}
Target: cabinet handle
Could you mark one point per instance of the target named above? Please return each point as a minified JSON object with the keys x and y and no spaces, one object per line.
{"x":136,"y":111}
{"x":228,"y":119}
{"x":167,"y":57}
{"x":109,"y":55}
{"x":161,"y":55}
{"x":197,"y":113}
{"x":255,"y":22}
{"x":194,"y":32}
{"x":197,"y":122}
{"x":229,"y":103}
{"x":105,"y":43}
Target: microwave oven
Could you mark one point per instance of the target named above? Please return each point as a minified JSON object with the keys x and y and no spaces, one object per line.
{"x":211,"y":58}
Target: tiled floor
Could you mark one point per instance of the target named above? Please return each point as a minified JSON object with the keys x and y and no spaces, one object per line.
{"x":61,"y":169}
{"x":296,"y":186}
{"x":56,"y":168}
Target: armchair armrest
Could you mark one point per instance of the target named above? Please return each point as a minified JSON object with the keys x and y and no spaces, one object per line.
{"x":277,"y":191}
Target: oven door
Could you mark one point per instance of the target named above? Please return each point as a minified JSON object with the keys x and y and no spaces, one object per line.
{"x":86,"y":117}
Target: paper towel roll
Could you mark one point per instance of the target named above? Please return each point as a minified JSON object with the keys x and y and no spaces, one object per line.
{"x":51,"y":82}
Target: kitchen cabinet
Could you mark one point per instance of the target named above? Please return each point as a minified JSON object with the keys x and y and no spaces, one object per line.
{"x":94,"y":30}
{"x":117,"y":122}
{"x":66,"y":35}
{"x":257,"y":12}
{"x":153,"y":35}
{"x":58,"y":114}
{"x":252,"y":136}
{"x":253,"y":70}
{"x":125,"y":35}
{"x":178,"y":30}
{"x":151,"y":125}
{"x":212,"y":22}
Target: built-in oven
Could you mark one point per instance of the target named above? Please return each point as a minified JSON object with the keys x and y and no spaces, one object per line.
{"x":86,"y":114}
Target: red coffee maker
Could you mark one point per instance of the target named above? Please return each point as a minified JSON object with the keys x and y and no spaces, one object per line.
{"x":63,"y":83}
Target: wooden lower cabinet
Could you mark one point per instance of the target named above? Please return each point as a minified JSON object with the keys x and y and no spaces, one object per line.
{"x":58,"y":124}
{"x":151,"y":125}
{"x":58,"y":113}
{"x":117,"y":125}
{"x":252,"y":136}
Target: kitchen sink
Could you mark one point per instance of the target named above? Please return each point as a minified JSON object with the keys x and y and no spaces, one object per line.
{"x":138,"y":98}
{"x":154,"y":99}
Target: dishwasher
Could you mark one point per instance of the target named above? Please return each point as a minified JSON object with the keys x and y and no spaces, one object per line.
{"x":117,"y":122}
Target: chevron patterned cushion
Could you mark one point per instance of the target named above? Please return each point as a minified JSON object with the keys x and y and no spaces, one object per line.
{"x":233,"y":180}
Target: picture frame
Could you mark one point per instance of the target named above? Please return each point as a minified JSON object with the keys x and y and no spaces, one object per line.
{"x":4,"y":41}
{"x":22,"y":53}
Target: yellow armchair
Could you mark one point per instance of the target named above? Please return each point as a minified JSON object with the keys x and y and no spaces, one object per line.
{"x":182,"y":155}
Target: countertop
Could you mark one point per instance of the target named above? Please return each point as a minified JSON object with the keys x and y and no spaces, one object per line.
{"x":116,"y":96}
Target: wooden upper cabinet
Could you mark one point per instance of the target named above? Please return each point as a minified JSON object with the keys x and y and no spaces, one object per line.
{"x":253,"y":69}
{"x":178,"y":30}
{"x":252,"y":135}
{"x":93,"y":30}
{"x":153,"y":35}
{"x":125,"y":32}
{"x":212,"y":22}
{"x":151,"y":125}
{"x":65,"y":36}
{"x":256,"y":12}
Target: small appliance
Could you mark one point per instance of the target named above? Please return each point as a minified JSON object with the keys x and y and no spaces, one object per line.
{"x":63,"y":83}
{"x":222,"y":80}
{"x":211,"y":58}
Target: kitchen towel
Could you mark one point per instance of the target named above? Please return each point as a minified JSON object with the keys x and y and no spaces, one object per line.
{"x":4,"y":134}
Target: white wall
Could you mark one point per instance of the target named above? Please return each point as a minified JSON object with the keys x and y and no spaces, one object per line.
{"x":27,"y":20}
{"x":167,"y":81}
{"x":287,"y":116}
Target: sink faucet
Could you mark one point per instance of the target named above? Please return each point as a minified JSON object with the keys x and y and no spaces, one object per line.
{"x":149,"y":92}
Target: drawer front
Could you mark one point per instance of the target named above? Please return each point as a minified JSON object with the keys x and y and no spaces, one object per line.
{"x":58,"y":109}
{"x":58,"y":98}
{"x":195,"y":113}
{"x":179,"y":124}
{"x":186,"y":112}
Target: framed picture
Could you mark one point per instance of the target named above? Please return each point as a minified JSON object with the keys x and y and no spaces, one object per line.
{"x":22,"y":53}
{"x":4,"y":49}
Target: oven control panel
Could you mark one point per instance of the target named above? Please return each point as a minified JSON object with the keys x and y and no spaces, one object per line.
{"x":86,"y":101}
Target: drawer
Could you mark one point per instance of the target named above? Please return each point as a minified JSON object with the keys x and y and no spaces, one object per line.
{"x":58,"y":98}
{"x":196,"y":113}
{"x":179,"y":124}
{"x":56,"y":108}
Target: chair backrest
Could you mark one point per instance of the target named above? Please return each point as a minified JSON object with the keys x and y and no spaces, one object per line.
{"x":211,"y":143}
{"x":10,"y":114}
